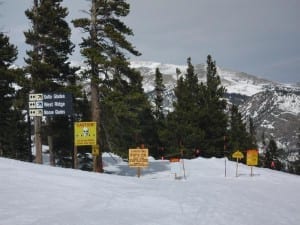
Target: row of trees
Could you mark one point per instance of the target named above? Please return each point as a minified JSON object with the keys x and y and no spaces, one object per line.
{"x":114,"y":98}
{"x":202,"y":120}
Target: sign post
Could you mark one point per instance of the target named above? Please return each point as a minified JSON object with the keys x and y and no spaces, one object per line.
{"x":47,"y":104}
{"x":238,"y":155}
{"x":50,"y":104}
{"x":85,"y":133}
{"x":252,"y":159}
{"x":138,"y":158}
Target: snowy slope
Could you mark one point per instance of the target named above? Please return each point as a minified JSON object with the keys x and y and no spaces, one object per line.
{"x":37,"y":194}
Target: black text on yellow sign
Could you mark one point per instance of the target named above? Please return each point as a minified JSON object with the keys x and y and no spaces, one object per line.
{"x":138,"y":157}
{"x":85,"y":133}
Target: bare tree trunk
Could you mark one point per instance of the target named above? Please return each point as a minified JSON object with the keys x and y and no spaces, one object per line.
{"x":38,"y":139}
{"x":97,"y":160}
{"x":50,"y":141}
{"x":37,"y":119}
{"x":51,"y":152}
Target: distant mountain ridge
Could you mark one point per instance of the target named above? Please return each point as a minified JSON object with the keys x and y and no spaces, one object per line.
{"x":274,"y":107}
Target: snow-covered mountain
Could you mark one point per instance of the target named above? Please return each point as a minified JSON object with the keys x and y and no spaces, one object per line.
{"x":275,"y":107}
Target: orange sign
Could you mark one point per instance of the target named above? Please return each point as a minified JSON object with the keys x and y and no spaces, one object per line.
{"x":252,"y":157}
{"x":172,"y":160}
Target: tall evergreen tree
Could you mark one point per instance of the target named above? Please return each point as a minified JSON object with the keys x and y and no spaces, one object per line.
{"x":215,"y":105}
{"x":8,"y":54}
{"x":238,"y":136}
{"x":103,"y":49}
{"x":159,"y":91}
{"x":47,"y":62}
{"x":14,"y":137}
{"x":159,"y":113}
{"x":184,"y":132}
{"x":272,"y":156}
{"x":252,"y":134}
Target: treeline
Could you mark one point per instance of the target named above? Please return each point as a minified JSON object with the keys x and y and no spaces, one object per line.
{"x":108,"y":92}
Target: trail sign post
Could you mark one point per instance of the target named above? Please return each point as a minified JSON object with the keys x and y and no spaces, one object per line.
{"x":138,"y":158}
{"x":85,"y":133}
{"x":238,"y":155}
{"x":47,"y":104}
{"x":95,"y":150}
{"x":252,"y":159}
{"x":50,"y":104}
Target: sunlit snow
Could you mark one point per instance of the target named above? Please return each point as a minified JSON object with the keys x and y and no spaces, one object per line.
{"x":39,"y":194}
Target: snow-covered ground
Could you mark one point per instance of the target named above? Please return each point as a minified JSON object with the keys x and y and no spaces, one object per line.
{"x":33,"y":194}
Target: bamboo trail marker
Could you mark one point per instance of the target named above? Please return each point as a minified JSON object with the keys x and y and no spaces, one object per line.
{"x":238,"y":155}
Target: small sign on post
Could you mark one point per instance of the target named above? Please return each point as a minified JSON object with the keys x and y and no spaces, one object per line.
{"x":85,"y":133}
{"x":138,"y":158}
{"x":238,"y":155}
{"x":95,"y":150}
{"x":252,"y":159}
{"x":176,"y":167}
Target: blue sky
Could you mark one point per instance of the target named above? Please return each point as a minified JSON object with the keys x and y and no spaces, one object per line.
{"x":259,"y":37}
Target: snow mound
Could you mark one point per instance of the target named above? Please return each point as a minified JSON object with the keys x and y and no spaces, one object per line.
{"x":34,"y":194}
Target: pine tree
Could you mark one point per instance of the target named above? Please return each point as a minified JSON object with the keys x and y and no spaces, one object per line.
{"x":238,"y":136}
{"x":8,"y":55}
{"x":252,"y":135}
{"x":159,"y":90}
{"x":159,"y":113}
{"x":47,"y":62}
{"x":14,"y":135}
{"x":183,"y":130}
{"x":272,"y":156}
{"x":215,"y":105}
{"x":103,"y":49}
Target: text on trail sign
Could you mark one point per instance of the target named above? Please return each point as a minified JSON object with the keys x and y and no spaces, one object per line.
{"x":138,"y":157}
{"x":50,"y":104}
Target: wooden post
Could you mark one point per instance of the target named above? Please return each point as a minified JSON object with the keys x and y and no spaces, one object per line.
{"x":138,"y":172}
{"x":251,"y":171}
{"x":237,"y":167}
{"x":38,"y":139}
{"x":183,"y":169}
{"x":75,"y":157}
{"x":225,"y":167}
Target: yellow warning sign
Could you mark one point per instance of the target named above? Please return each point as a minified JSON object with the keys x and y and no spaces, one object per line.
{"x":85,"y":133}
{"x":252,"y":157}
{"x":238,"y":155}
{"x":138,"y":157}
{"x":95,"y":150}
